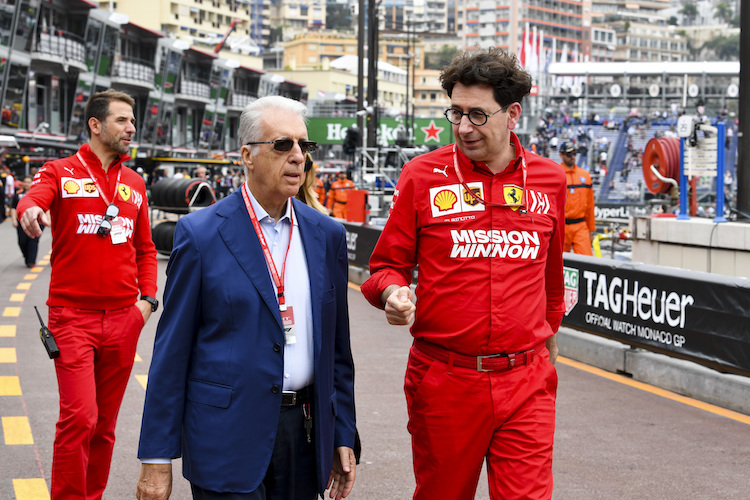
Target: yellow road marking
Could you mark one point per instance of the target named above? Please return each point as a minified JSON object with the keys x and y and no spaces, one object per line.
{"x":12,"y":312}
{"x":354,"y":286}
{"x":31,"y":489}
{"x":10,"y":386}
{"x":138,"y":358}
{"x":17,"y":297}
{"x":8,"y":355}
{"x":36,"y":269}
{"x":717,"y":410}
{"x":17,"y":430}
{"x":30,"y":277}
{"x":7,"y":330}
{"x":23,"y":286}
{"x":142,"y":379}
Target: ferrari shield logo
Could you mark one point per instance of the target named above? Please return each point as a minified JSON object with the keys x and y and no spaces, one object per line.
{"x":124,"y":192}
{"x":513,"y":195}
{"x":570,"y":280}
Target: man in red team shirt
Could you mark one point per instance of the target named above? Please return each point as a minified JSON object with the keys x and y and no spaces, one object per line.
{"x":102,"y":257}
{"x":485,"y":223}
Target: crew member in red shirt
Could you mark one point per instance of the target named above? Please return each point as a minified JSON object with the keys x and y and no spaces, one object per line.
{"x":484,"y":222}
{"x":102,"y":258}
{"x":580,"y":223}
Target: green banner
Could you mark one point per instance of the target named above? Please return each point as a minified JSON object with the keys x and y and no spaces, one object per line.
{"x":427,"y":131}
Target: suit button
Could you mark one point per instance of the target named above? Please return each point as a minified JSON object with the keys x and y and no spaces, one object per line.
{"x":275,"y":389}
{"x":277,"y":347}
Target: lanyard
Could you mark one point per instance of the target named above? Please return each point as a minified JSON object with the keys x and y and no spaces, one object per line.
{"x":278,"y":279}
{"x":522,"y":203}
{"x":101,"y":191}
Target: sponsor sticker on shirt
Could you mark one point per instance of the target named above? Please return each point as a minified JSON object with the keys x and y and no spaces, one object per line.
{"x":454,"y":199}
{"x":78,"y":188}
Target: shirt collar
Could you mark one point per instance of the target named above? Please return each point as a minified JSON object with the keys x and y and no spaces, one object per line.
{"x":261,"y":213}
{"x":513,"y":165}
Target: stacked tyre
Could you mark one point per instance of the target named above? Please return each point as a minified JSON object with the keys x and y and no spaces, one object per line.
{"x":163,"y":234}
{"x":176,"y":196}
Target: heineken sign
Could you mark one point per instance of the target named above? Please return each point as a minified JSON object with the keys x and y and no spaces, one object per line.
{"x":427,"y":131}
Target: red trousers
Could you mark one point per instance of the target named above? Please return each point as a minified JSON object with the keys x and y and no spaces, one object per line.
{"x":459,"y":417}
{"x":97,"y":350}
{"x":578,"y":238}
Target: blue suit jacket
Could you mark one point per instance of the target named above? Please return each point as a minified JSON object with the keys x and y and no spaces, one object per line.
{"x":214,"y":386}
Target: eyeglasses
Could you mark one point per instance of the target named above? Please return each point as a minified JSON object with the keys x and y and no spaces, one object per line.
{"x":476,"y":116}
{"x":106,"y":226}
{"x":287,"y":144}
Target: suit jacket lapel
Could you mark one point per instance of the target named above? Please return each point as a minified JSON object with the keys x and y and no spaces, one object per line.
{"x":239,"y":235}
{"x":314,"y":243}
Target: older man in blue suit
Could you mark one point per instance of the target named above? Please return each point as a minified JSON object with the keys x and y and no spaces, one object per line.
{"x":252,"y":380}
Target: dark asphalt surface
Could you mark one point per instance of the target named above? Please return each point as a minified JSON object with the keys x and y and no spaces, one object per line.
{"x":613,"y":441}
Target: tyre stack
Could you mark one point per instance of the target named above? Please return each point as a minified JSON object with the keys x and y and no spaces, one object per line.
{"x":178,"y":196}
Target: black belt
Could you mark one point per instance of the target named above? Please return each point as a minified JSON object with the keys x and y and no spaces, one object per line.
{"x":488,"y":363}
{"x":296,"y":398}
{"x":339,"y":202}
{"x":575,"y":221}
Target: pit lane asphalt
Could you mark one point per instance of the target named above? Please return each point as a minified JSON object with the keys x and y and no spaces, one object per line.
{"x":615,"y":439}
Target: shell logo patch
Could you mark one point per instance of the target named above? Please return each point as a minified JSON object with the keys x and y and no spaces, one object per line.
{"x":71,"y":187}
{"x":124,"y":192}
{"x":453,"y":199}
{"x":445,"y":200}
{"x":513,"y":195}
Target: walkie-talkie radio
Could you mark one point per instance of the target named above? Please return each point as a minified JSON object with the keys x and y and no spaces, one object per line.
{"x":47,"y":339}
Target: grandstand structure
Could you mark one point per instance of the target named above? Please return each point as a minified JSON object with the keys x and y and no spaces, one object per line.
{"x":629,"y":103}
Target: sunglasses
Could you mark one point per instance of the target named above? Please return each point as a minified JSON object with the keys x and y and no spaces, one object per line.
{"x":287,"y":144}
{"x":106,"y":226}
{"x":568,"y":154}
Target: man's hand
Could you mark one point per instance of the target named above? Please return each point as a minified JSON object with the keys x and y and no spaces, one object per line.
{"x":552,"y":348}
{"x":343,"y":473}
{"x":399,"y":304}
{"x":31,"y":220}
{"x":155,"y":482}
{"x":145,"y":307}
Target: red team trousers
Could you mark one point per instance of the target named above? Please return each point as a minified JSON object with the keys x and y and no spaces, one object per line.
{"x":97,"y":350}
{"x":458,"y":417}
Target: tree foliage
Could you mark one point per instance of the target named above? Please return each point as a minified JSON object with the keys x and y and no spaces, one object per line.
{"x":725,"y":48}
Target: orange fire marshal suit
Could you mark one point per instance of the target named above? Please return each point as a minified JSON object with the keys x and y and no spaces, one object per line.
{"x":338,"y":195}
{"x":579,"y":211}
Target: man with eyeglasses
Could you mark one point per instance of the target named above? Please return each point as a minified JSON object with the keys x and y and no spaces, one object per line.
{"x":102,"y":259}
{"x":484,"y":222}
{"x":580,"y":223}
{"x":252,"y":380}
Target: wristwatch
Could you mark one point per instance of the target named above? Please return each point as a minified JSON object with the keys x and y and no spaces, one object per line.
{"x":154,"y":303}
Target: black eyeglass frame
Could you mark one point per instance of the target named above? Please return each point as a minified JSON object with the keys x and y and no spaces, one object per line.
{"x":285,"y":145}
{"x":478,"y":111}
{"x":105,"y":226}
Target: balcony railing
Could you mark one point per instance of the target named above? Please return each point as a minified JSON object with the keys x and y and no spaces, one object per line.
{"x":62,"y":44}
{"x":134,"y":69}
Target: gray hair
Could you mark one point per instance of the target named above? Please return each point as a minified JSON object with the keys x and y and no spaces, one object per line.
{"x":251,"y":129}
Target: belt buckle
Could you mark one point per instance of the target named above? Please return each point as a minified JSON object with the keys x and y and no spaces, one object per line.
{"x":511,"y":361}
{"x":290,"y":395}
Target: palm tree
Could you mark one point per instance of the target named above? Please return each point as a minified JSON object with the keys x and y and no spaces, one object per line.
{"x":690,"y":11}
{"x":723,"y":12}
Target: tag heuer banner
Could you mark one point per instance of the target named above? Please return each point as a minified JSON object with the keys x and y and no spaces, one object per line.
{"x":697,"y":316}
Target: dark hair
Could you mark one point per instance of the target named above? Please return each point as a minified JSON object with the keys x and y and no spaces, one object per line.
{"x":98,"y":105}
{"x":494,"y":67}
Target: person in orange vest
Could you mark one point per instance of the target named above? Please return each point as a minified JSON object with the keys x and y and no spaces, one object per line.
{"x":580,"y":224}
{"x":320,"y":190}
{"x":338,"y":195}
